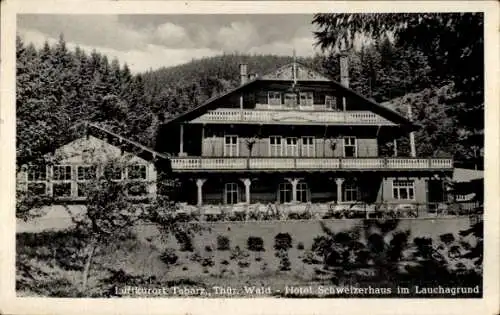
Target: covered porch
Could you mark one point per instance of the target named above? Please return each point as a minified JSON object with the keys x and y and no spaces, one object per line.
{"x":281,"y":188}
{"x":311,"y":194}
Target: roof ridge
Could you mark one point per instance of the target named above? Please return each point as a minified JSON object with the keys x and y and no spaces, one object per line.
{"x":135,"y":143}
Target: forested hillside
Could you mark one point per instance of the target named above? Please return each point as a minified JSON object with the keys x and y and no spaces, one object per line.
{"x":452,"y":43}
{"x":57,"y":88}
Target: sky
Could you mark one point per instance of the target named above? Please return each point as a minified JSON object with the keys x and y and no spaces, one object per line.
{"x":153,"y":41}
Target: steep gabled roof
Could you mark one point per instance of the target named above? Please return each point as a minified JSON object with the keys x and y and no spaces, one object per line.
{"x":304,"y":74}
{"x":128,"y":142}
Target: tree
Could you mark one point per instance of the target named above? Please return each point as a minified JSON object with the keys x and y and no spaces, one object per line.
{"x":110,"y":215}
{"x":452,"y":43}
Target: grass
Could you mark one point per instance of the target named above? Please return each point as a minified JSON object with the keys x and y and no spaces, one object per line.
{"x":47,"y":255}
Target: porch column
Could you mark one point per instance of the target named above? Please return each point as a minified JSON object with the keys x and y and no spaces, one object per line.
{"x":413,"y":152}
{"x":339,"y":182}
{"x":247,"y":182}
{"x":181,"y":141}
{"x":395,"y":147}
{"x":294,"y":182}
{"x":199,"y":183}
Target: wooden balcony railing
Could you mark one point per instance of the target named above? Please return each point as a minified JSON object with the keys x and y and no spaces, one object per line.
{"x":290,"y":163}
{"x":235,"y":115}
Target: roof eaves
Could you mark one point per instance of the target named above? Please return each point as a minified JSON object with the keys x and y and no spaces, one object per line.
{"x":210,"y":100}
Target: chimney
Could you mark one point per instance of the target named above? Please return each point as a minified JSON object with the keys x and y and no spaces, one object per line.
{"x":243,"y":73}
{"x":344,"y":69}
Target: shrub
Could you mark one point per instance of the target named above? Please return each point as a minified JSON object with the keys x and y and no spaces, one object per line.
{"x":195,"y":257}
{"x":300,"y":246}
{"x":258,"y":258}
{"x":282,"y":241}
{"x":185,"y":268}
{"x":207,"y":262}
{"x":263,"y":267}
{"x":223,"y":242}
{"x":284,"y":260}
{"x":310,"y":259}
{"x":447,"y":238}
{"x":255,"y":243}
{"x":300,"y":216}
{"x":243,"y":263}
{"x":320,"y":245}
{"x":208,"y":248}
{"x":238,"y":254}
{"x":224,"y":262}
{"x":238,"y":216}
{"x":185,"y":241}
{"x":169,"y":256}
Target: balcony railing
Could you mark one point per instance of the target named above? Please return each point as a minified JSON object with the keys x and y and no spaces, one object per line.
{"x":235,"y":115}
{"x":290,"y":163}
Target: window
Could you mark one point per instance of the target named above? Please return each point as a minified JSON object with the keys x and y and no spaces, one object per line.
{"x":285,"y":192}
{"x":306,"y":99}
{"x":231,"y":193}
{"x":274,"y":98}
{"x":350,"y":192}
{"x":37,"y":173}
{"x":62,"y":172}
{"x":85,"y":174}
{"x":291,"y":148}
{"x":403,"y":189}
{"x":62,"y":175}
{"x":290,"y":100}
{"x":136,"y":172}
{"x":137,"y":175}
{"x":302,"y":192}
{"x":275,"y":146}
{"x":230,"y":146}
{"x":330,"y":102}
{"x":308,"y":146}
{"x":350,"y":147}
{"x":113,"y":173}
{"x":37,"y":177}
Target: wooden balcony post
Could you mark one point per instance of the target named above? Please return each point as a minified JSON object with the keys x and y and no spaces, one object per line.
{"x":395,"y":147}
{"x":339,"y":182}
{"x":247,"y":182}
{"x":181,"y":141}
{"x":413,"y":151}
{"x":199,"y":183}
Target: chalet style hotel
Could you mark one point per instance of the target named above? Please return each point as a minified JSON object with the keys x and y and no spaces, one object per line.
{"x":292,"y":141}
{"x":295,"y":138}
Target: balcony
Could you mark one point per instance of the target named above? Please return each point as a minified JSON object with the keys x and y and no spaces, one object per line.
{"x":305,"y":117}
{"x":189,"y":164}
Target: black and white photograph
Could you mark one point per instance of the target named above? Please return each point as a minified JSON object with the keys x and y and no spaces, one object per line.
{"x":333,"y":155}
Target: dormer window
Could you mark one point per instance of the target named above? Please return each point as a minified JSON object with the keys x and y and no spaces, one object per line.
{"x":306,"y":99}
{"x":330,"y":102}
{"x":274,"y":98}
{"x":290,"y":100}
